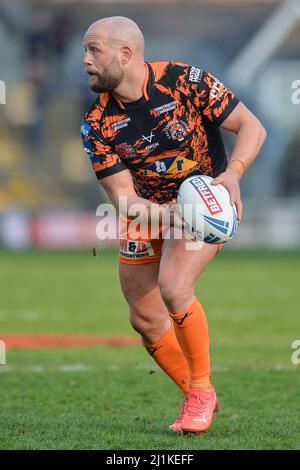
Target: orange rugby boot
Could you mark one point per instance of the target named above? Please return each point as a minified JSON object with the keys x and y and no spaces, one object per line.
{"x":176,"y":426}
{"x":199,"y":410}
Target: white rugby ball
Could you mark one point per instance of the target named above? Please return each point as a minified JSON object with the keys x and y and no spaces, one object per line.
{"x":207,"y":209}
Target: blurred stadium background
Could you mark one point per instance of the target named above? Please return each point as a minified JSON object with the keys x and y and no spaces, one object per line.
{"x":48,"y":193}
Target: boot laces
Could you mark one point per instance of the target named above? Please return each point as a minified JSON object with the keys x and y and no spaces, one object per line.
{"x":196,"y":404}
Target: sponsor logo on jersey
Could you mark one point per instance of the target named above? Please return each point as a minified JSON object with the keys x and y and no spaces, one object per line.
{"x":214,"y":92}
{"x":161,"y":166}
{"x":195,"y":75}
{"x":85,"y":129}
{"x":125,"y":150}
{"x":87,"y":145}
{"x":176,"y":130}
{"x":120,"y":124}
{"x":206,"y":195}
{"x":149,"y":137}
{"x":165,"y":108}
{"x":89,"y":152}
{"x":152,"y":146}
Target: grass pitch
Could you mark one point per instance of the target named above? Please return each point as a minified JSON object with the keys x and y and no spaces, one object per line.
{"x":117,"y":398}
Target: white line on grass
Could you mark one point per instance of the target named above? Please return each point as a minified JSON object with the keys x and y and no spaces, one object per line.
{"x":81,"y":367}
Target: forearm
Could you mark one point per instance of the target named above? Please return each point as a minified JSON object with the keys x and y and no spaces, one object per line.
{"x":121,"y":191}
{"x":250,"y":138}
{"x":132,"y":206}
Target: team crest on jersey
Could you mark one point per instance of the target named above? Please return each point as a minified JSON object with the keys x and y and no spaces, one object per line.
{"x":125,"y":150}
{"x":177,"y":130}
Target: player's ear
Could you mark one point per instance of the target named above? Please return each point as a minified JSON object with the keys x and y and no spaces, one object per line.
{"x":126,"y":54}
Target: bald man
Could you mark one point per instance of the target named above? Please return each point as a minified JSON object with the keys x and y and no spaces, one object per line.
{"x":152,"y":125}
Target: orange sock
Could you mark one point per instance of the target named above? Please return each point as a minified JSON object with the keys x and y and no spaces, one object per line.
{"x":192,"y":333}
{"x":168,"y":355}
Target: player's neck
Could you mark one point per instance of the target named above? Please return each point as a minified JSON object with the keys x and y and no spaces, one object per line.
{"x":131,"y":88}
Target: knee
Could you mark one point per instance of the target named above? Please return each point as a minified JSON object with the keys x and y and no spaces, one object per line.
{"x":175,"y":294}
{"x":151,"y":329}
{"x":138,"y":323}
{"x":142,"y":323}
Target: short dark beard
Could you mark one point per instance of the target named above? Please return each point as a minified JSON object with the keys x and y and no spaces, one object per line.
{"x":106,"y":84}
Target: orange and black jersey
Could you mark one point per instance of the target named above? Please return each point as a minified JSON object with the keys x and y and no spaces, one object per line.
{"x":171,"y":133}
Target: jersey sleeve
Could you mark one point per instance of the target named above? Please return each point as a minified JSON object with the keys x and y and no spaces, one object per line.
{"x":210,"y":95}
{"x":105,"y":161}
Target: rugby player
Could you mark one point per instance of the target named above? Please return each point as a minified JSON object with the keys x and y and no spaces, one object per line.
{"x":152,"y":125}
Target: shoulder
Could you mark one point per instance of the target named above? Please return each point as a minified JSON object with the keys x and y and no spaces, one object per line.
{"x":174,"y":74}
{"x":167,"y":71}
{"x":94,"y":114}
{"x":91,"y":123}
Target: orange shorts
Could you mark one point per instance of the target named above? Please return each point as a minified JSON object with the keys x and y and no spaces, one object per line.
{"x":142,"y":250}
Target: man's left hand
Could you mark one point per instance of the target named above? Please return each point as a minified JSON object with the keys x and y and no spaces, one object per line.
{"x":231,"y":182}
